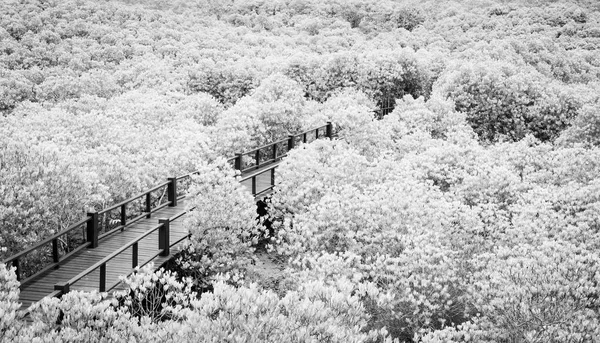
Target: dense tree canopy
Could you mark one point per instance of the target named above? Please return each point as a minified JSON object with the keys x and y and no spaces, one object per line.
{"x":469,"y":213}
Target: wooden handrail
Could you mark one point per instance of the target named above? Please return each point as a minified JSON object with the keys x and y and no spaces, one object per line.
{"x":135,"y":197}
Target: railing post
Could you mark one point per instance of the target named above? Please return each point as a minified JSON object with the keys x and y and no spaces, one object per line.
{"x":304,"y":138}
{"x":238,"y":162}
{"x":17,"y":264}
{"x":291,"y":142}
{"x":64,"y":287}
{"x":123,"y":216}
{"x":134,"y":255}
{"x":163,"y":236}
{"x":317,"y":134}
{"x":172,"y":191}
{"x":55,"y":250}
{"x":273,"y":177}
{"x":102,"y":285}
{"x":329,"y":130}
{"x":257,"y":157}
{"x":92,"y":229}
{"x":148,"y":206}
{"x":274,"y":152}
{"x":254,"y":185}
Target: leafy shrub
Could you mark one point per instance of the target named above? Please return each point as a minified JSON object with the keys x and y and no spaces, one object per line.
{"x":155,"y":295}
{"x":222,"y":226}
{"x":585,"y":128}
{"x":271,"y":112}
{"x":9,"y":304}
{"x":503,"y":102}
{"x":316,"y":312}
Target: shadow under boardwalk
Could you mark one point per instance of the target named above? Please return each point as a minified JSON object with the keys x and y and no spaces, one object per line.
{"x":43,"y":285}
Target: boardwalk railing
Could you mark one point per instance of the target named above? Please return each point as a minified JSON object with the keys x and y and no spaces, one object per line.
{"x":265,"y":159}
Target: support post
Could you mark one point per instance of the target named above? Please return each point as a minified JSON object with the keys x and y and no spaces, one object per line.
{"x":273,"y":177}
{"x":291,"y":142}
{"x":55,"y":250}
{"x":17,"y":264}
{"x":257,"y":157}
{"x":317,"y":133}
{"x":274,"y":152}
{"x":148,"y":206}
{"x":134,"y":255}
{"x":123,"y":216}
{"x":253,"y":185}
{"x":172,"y":191}
{"x":304,"y":138}
{"x":102,"y":285}
{"x":238,"y":162}
{"x":329,"y":130}
{"x":163,"y":236}
{"x":92,"y":229}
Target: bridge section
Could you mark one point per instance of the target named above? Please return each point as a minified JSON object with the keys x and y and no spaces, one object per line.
{"x":145,"y":228}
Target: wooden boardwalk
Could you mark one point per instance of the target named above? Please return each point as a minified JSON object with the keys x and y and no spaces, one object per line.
{"x":43,"y":284}
{"x":99,"y":263}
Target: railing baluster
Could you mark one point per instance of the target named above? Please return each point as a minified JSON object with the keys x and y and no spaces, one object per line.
{"x":254,"y":185}
{"x":163,"y":236}
{"x":274,"y":152}
{"x":92,"y":229}
{"x":55,"y":250}
{"x":329,"y":130}
{"x":172,"y":191}
{"x":304,"y":138}
{"x":102,"y":285}
{"x":317,"y":134}
{"x":134,"y":255}
{"x":257,"y":157}
{"x":123,"y":216}
{"x":148,"y":206}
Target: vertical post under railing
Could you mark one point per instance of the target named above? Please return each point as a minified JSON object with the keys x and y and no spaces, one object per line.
{"x":123,"y":216}
{"x":317,"y":134}
{"x":148,"y":206}
{"x":329,"y":130}
{"x":64,"y":287}
{"x":172,"y":191}
{"x":102,"y":285}
{"x":304,"y":138}
{"x":92,"y":229}
{"x":17,"y":264}
{"x":55,"y":250}
{"x":238,"y":162}
{"x":163,"y":236}
{"x":274,"y":152}
{"x":272,"y":176}
{"x":257,"y":157}
{"x":291,"y":142}
{"x":254,"y":185}
{"x":134,"y":255}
